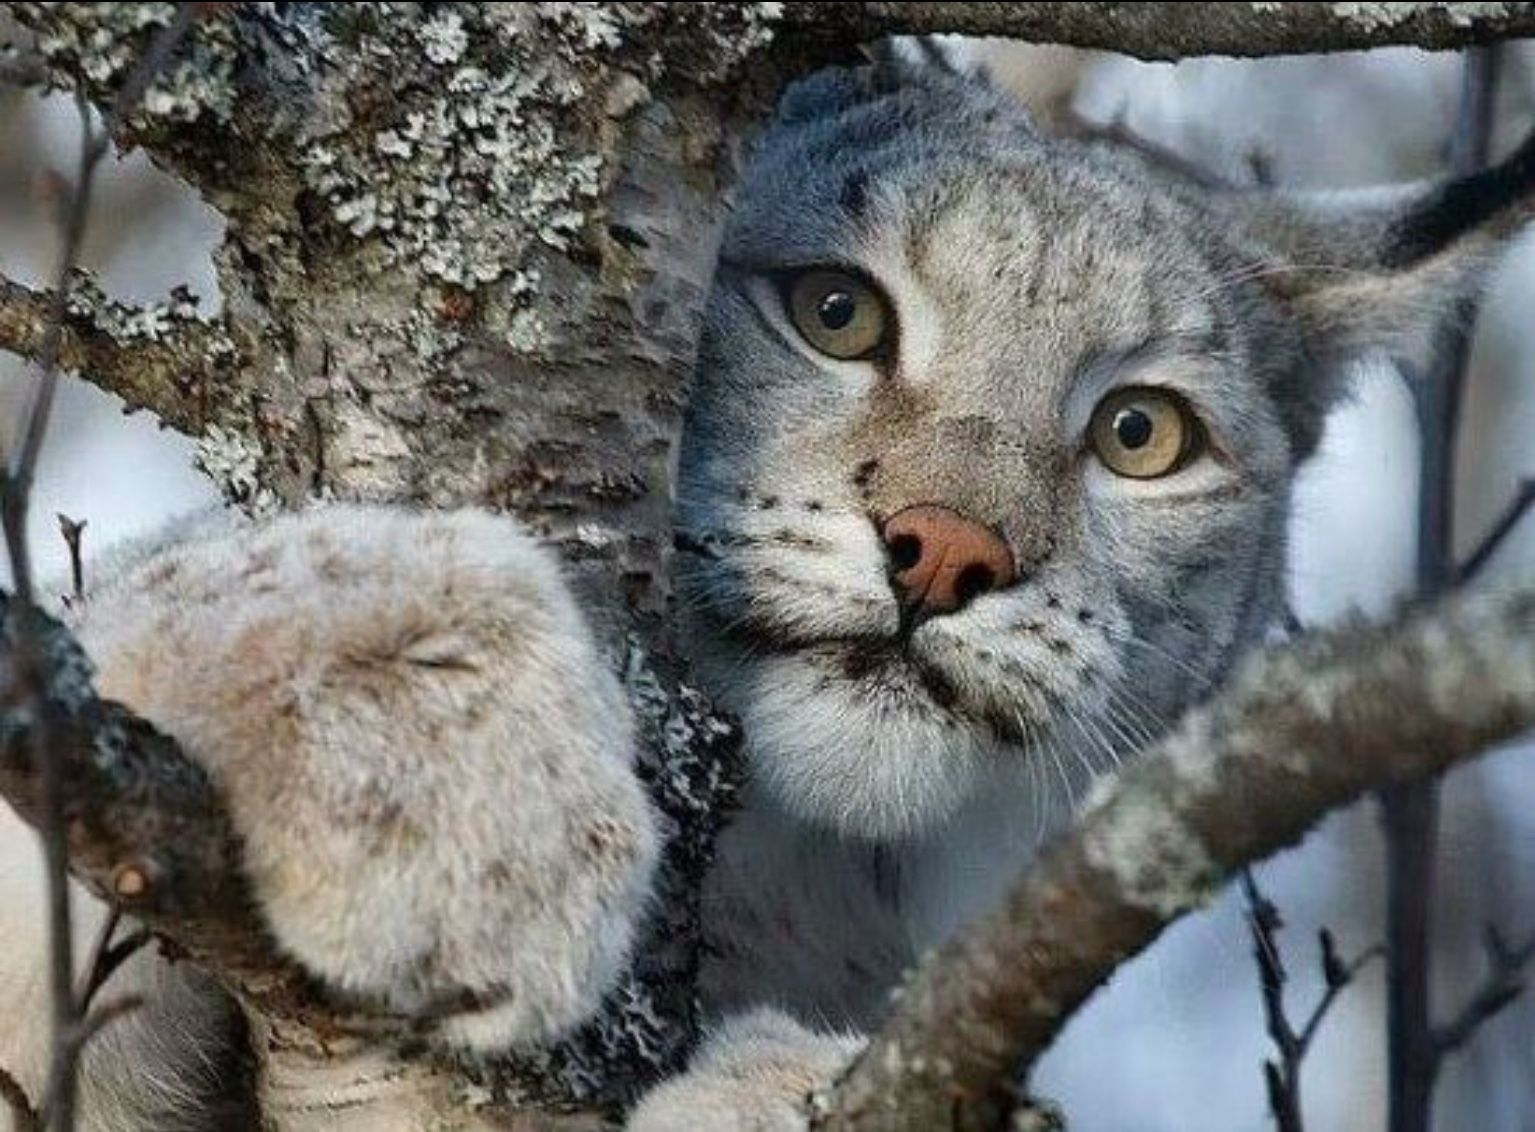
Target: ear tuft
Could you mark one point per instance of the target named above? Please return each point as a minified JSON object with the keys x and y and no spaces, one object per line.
{"x":1493,"y":203}
{"x":1385,"y":271}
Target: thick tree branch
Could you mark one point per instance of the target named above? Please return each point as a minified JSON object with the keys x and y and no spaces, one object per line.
{"x":147,"y":831}
{"x":467,"y":256}
{"x":1300,"y":731}
{"x":1176,"y":31}
{"x":162,"y":358}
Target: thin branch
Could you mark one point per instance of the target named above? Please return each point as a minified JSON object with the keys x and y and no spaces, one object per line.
{"x":1494,"y":539}
{"x":1283,"y":1079}
{"x":1410,"y":814}
{"x":1505,"y":982}
{"x":1337,"y":977}
{"x":1242,"y":777}
{"x":166,"y":370}
{"x":46,"y":750}
{"x":92,"y":980}
{"x":108,"y":954}
{"x":146,"y":827}
{"x":76,"y":1040}
{"x":73,"y":533}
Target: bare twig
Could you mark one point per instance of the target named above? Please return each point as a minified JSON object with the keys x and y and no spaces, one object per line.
{"x":103,"y":1016}
{"x":1337,"y":976}
{"x":1494,"y":539}
{"x":1283,"y":1079}
{"x":29,"y":662}
{"x":86,"y":1028}
{"x":1241,"y":777}
{"x":1505,"y":982}
{"x":147,"y":829}
{"x":73,"y":532}
{"x":1410,"y":814}
{"x":107,"y":955}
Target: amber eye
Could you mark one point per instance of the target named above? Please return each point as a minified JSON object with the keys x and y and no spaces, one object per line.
{"x":1144,"y":432}
{"x":837,"y":313}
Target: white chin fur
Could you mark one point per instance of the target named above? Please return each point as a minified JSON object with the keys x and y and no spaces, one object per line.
{"x":875,"y":761}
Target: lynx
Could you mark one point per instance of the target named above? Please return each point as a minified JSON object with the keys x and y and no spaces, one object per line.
{"x":985,"y":479}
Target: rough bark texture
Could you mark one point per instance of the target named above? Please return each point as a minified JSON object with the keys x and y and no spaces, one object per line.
{"x":466,"y":252}
{"x":1175,"y":31}
{"x":1300,"y":731}
{"x":465,"y":259}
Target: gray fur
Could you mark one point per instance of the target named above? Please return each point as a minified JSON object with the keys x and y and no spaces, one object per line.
{"x":1028,"y":277}
{"x":430,"y":764}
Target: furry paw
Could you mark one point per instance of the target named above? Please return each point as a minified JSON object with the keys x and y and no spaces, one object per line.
{"x":427,"y":758}
{"x":756,"y":1073}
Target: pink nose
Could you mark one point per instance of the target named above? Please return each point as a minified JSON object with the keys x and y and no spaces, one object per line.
{"x":942,"y":561}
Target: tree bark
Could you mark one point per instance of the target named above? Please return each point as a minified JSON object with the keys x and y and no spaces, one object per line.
{"x":1177,"y":31}
{"x":1300,"y":731}
{"x":465,"y":261}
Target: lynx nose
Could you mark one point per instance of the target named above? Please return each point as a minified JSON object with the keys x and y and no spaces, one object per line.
{"x":941,"y":561}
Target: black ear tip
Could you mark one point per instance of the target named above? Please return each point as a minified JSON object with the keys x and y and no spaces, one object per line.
{"x":1466,"y":204}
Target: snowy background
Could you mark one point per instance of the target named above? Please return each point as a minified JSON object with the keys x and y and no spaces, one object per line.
{"x":1175,"y":1043}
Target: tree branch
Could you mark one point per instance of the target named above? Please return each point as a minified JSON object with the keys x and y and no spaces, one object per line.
{"x":1505,"y":525}
{"x":146,"y":828}
{"x":1301,"y":730}
{"x":162,"y":358}
{"x":1283,"y":1078}
{"x":1503,"y":984}
{"x":1176,"y":31}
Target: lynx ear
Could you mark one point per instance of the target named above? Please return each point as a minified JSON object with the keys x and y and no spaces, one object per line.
{"x":1384,"y":270}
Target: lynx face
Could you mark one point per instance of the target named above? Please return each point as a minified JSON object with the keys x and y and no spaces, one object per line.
{"x":989,"y":458}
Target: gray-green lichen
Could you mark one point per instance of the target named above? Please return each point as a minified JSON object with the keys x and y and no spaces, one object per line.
{"x":1374,"y":17}
{"x":128,"y":323}
{"x":101,"y":44}
{"x":1157,"y":861}
{"x":234,"y":463}
{"x":460,"y":138}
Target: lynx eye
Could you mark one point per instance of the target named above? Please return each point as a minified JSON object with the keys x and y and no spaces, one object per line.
{"x":1144,"y":433}
{"x":838,"y":313}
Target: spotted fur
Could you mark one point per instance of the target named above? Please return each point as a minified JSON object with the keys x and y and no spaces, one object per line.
{"x":900,"y":777}
{"x":429,"y":760}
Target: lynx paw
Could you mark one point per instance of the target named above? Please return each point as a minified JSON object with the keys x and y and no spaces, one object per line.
{"x":427,"y":758}
{"x":756,"y":1073}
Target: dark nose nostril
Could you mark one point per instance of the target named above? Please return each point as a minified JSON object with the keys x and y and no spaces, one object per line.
{"x":972,"y":582}
{"x":905,"y":552}
{"x":941,"y":561}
